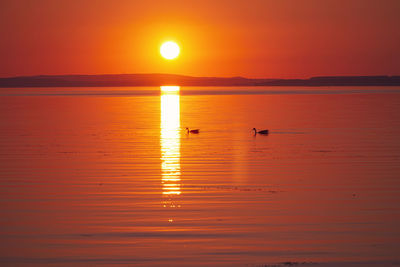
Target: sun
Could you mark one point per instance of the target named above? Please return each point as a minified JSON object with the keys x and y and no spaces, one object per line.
{"x":169,"y":50}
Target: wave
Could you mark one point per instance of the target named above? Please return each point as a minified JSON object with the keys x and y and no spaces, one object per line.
{"x":192,"y":91}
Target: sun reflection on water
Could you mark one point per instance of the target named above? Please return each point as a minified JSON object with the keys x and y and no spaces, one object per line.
{"x":170,"y":144}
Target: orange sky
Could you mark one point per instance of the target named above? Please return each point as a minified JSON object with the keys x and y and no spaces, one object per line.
{"x":252,"y":38}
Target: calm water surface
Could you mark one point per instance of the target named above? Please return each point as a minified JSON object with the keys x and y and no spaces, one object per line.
{"x":108,"y":176}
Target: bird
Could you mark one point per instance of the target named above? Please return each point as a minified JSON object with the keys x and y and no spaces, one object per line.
{"x":194,"y":131}
{"x":260,"y":132}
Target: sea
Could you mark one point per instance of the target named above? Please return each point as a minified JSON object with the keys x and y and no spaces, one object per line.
{"x":105,"y":176}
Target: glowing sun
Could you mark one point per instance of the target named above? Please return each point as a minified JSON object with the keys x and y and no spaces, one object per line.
{"x":169,"y":50}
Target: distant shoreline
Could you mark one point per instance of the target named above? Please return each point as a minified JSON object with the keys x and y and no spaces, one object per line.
{"x":133,"y":80}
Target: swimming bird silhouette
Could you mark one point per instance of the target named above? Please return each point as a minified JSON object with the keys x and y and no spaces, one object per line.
{"x":260,"y":132}
{"x":194,"y":131}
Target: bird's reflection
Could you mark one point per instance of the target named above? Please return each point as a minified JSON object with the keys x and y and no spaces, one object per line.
{"x":170,"y":145}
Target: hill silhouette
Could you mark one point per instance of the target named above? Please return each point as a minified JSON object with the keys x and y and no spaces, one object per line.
{"x":108,"y":80}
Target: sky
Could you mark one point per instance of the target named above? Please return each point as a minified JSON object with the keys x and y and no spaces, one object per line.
{"x":250,"y":38}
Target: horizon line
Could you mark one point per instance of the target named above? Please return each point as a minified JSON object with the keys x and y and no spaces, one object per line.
{"x":207,"y":76}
